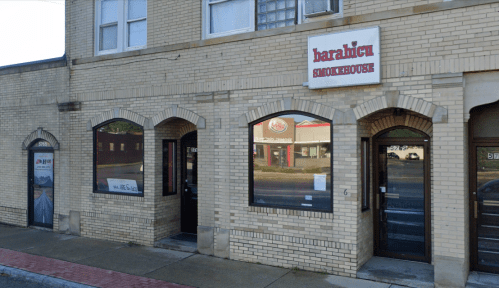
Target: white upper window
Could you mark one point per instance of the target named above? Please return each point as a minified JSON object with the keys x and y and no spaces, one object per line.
{"x":227,"y":17}
{"x":120,"y":25}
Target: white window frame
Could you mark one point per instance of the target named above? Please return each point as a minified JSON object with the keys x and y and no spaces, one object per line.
{"x":206,"y":20}
{"x":300,"y":10}
{"x":122,"y":45}
{"x":304,"y":19}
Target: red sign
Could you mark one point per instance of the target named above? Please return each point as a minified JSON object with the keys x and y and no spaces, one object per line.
{"x":278,"y":125}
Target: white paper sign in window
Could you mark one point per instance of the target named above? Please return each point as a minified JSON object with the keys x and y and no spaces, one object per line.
{"x":344,"y":59}
{"x":123,"y":186}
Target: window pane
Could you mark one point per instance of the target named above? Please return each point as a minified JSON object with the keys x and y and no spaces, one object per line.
{"x":281,"y":15}
{"x":227,"y":16}
{"x":137,"y":33}
{"x":292,"y":162}
{"x":485,"y":120}
{"x":137,"y":9}
{"x":270,"y":5}
{"x":119,"y":170}
{"x":262,"y":18}
{"x":401,"y":133}
{"x":271,"y":17}
{"x":276,"y":14}
{"x":365,"y":169}
{"x":262,"y":8}
{"x":109,"y":11}
{"x":169,"y":167}
{"x":314,"y":6}
{"x":281,"y":4}
{"x":109,"y":37}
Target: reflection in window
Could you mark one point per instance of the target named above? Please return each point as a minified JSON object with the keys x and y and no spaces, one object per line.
{"x":292,"y":162}
{"x":121,"y":171}
{"x":169,"y":167}
{"x":401,"y":133}
{"x":365,"y":172}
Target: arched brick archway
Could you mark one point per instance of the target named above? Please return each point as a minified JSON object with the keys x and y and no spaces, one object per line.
{"x":40,"y":134}
{"x":291,"y":104}
{"x":392,"y":99}
{"x":413,"y":121}
{"x":118,"y":113}
{"x":178,"y":112}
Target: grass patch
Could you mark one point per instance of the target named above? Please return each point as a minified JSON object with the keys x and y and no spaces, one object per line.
{"x":313,"y":170}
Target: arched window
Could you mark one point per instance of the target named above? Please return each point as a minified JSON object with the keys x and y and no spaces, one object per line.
{"x":290,"y":162}
{"x":118,"y":170}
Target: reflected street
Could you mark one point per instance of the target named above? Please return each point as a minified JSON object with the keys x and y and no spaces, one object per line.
{"x":402,"y":202}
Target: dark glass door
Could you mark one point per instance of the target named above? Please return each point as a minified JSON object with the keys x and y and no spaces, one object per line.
{"x":41,"y":185}
{"x":402,"y":217}
{"x":486,"y":208}
{"x":189,"y":210}
{"x":401,"y":194}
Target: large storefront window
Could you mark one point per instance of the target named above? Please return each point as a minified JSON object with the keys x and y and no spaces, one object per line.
{"x":291,"y":162}
{"x":119,"y":170}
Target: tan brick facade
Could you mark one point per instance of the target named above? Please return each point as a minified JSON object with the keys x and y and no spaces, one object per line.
{"x":218,"y":87}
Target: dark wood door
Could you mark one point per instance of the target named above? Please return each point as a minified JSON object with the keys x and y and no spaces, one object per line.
{"x":189,"y":209}
{"x":484,"y":206}
{"x":402,"y":198}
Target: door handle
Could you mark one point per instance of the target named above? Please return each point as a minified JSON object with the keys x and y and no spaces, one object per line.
{"x":476,"y":209}
{"x":377,"y":201}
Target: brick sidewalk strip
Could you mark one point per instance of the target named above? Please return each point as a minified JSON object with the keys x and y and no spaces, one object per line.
{"x":78,"y":273}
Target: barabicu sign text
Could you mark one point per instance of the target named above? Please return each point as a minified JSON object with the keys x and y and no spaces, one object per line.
{"x":344,"y":59}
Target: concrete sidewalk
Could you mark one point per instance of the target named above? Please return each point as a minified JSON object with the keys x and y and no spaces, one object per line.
{"x":71,"y":260}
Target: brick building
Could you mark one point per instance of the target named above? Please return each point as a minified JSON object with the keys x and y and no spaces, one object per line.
{"x":402,"y":167}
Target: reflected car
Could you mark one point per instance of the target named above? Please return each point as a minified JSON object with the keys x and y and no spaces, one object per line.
{"x":489,"y":191}
{"x":393,"y":155}
{"x":412,"y":156}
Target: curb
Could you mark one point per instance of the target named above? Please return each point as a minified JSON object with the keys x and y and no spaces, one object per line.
{"x":42,"y":279}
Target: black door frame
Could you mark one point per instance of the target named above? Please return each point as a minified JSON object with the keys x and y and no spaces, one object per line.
{"x":425,"y":142}
{"x":473,"y":202}
{"x":31,"y":205}
{"x":188,"y":139}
